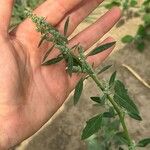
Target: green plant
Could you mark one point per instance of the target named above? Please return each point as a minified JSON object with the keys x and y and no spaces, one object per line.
{"x":125,"y":4}
{"x":115,"y":98}
{"x":143,"y":33}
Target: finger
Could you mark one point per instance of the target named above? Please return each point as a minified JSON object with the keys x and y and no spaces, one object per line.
{"x":5,"y":14}
{"x":93,"y":33}
{"x":96,"y":60}
{"x":52,"y":10}
{"x":78,"y":14}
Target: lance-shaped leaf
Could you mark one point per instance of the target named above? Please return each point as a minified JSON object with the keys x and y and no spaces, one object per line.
{"x":122,"y":98}
{"x":92,"y":126}
{"x":144,"y":142}
{"x":101,"y":48}
{"x":104,"y":69}
{"x":47,"y":53}
{"x":42,"y":40}
{"x":66,"y":26}
{"x":78,"y":91}
{"x":52,"y":61}
{"x":112,"y":79}
{"x":135,"y":116}
{"x":70,"y":65}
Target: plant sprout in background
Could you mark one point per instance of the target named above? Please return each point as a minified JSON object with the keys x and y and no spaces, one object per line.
{"x":131,"y":9}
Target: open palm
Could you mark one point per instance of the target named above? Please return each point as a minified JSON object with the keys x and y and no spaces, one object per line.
{"x":30,"y":93}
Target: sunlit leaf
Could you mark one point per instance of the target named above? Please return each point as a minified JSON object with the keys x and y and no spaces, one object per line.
{"x":101,"y":48}
{"x":144,"y":142}
{"x":112,"y":78}
{"x":52,"y":61}
{"x":135,"y":116}
{"x":122,"y":98}
{"x":92,"y":126}
{"x":78,"y":91}
{"x":70,"y":65}
{"x":104,"y":69}
{"x":48,"y":52}
{"x":66,"y":26}
{"x":42,"y":40}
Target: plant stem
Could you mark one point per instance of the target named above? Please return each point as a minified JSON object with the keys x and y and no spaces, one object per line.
{"x":116,"y":107}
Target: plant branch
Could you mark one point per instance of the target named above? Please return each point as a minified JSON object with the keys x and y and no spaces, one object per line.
{"x":116,"y":107}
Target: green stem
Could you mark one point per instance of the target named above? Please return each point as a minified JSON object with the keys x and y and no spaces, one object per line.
{"x":116,"y":107}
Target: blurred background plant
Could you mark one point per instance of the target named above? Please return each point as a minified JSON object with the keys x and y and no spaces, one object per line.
{"x":131,"y":9}
{"x":19,"y":8}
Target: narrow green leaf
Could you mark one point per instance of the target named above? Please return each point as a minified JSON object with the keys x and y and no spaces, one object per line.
{"x":122,"y":98}
{"x":92,"y":126}
{"x":112,"y":78}
{"x":42,"y":40}
{"x":104,"y":69}
{"x":75,"y":46}
{"x":127,"y":39}
{"x":52,"y":61}
{"x":135,"y":116}
{"x":48,"y":52}
{"x":144,"y":142}
{"x":70,"y":65}
{"x":78,"y":91}
{"x":101,"y":48}
{"x":66,"y":26}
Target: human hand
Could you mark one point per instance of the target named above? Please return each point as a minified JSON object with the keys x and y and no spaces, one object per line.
{"x":30,"y":93}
